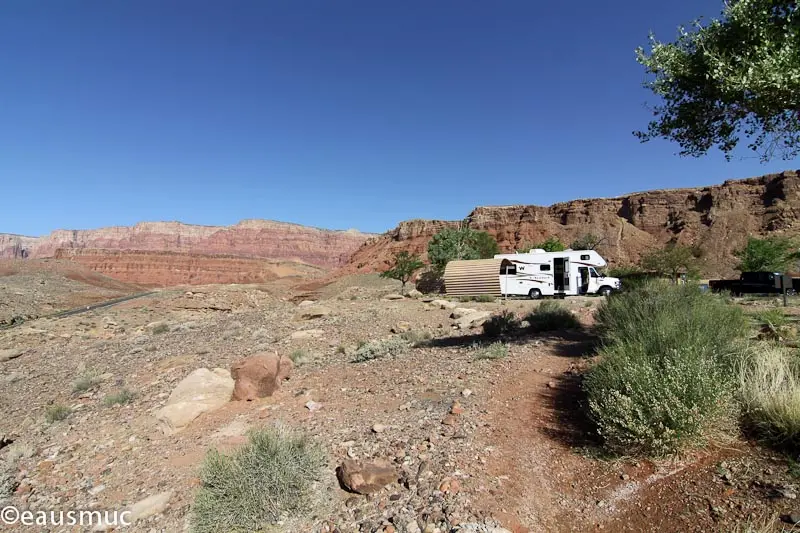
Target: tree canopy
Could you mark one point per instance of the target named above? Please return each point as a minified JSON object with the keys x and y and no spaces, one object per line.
{"x":672,"y":260}
{"x":588,"y":241}
{"x":452,"y":244}
{"x":772,"y":254}
{"x":405,"y":265}
{"x":735,"y":76}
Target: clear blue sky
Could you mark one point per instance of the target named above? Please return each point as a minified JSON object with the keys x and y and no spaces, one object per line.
{"x":331,"y":113}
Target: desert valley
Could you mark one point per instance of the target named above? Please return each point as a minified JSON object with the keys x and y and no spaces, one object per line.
{"x":129,"y":355}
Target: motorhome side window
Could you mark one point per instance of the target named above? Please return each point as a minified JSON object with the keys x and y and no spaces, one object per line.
{"x":544,"y":267}
{"x":584,"y":258}
{"x":510,"y":270}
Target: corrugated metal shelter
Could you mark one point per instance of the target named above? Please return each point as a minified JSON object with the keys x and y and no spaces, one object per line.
{"x":474,"y":277}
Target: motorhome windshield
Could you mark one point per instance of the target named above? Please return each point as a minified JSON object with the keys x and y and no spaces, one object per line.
{"x":594,"y":273}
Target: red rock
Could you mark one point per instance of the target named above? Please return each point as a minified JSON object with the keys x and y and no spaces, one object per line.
{"x":455,"y":486}
{"x":450,"y":420}
{"x":365,"y":478}
{"x":456,"y":409}
{"x":259,"y":376}
{"x":718,"y":219}
{"x":198,"y":251}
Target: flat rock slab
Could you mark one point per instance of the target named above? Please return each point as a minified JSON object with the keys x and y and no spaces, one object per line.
{"x":9,"y":354}
{"x":200,"y":392}
{"x":313,"y":311}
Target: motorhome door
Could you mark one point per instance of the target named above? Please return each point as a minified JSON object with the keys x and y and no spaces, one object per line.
{"x":584,"y":275}
{"x":561,"y":274}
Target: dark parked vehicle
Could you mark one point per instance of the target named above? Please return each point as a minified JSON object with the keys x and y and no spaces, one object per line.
{"x":753,"y":283}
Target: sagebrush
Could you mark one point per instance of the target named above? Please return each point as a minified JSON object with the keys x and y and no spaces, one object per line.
{"x":667,"y":366}
{"x":504,"y":323}
{"x":269,"y":479}
{"x":391,"y":346}
{"x":552,"y":316}
{"x":496,"y":350}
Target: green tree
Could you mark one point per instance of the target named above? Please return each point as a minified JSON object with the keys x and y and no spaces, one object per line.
{"x":405,"y":265}
{"x":452,"y":244}
{"x":736,"y":75}
{"x":672,"y":260}
{"x":587,"y":242}
{"x":772,"y":254}
{"x":552,"y":244}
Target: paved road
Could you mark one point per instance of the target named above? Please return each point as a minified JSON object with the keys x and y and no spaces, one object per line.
{"x":87,"y":308}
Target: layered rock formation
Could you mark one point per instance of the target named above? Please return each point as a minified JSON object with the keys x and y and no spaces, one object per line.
{"x":718,"y":219}
{"x":163,"y":269}
{"x":249,"y":238}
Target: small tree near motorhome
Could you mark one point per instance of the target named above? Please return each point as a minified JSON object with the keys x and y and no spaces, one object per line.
{"x":672,"y":260}
{"x":453,"y":244}
{"x":772,"y":254}
{"x":405,"y":265}
{"x":551,"y":244}
{"x":587,"y":242}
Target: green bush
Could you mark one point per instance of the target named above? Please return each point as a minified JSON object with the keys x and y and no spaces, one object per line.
{"x":122,"y":397}
{"x":416,"y":337}
{"x":391,"y":346}
{"x":56,"y":412}
{"x":496,"y":350}
{"x":666,"y":366}
{"x":501,"y":324}
{"x":769,"y":390}
{"x":774,"y":318}
{"x":87,"y":381}
{"x":299,"y":356}
{"x":552,"y":316}
{"x":270,"y":478}
{"x":160,"y":328}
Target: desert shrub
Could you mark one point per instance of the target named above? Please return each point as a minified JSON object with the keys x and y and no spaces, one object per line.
{"x":666,"y":367}
{"x":769,"y":390}
{"x":429,"y":282}
{"x":299,"y":356}
{"x":415,"y":337}
{"x":86,"y":381}
{"x":552,"y":316}
{"x":160,"y":328}
{"x":391,"y":346}
{"x":268,"y":479}
{"x":56,"y":412}
{"x":774,"y":318}
{"x":496,"y":350}
{"x":501,"y":324}
{"x":120,"y":398}
{"x":485,"y":298}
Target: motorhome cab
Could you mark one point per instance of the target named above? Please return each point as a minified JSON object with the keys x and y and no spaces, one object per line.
{"x":566,"y":273}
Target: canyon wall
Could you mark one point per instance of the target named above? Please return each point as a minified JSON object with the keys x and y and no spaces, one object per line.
{"x":163,"y":269}
{"x":249,"y":238}
{"x":718,"y":219}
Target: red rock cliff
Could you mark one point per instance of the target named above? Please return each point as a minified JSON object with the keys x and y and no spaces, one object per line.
{"x":249,"y":238}
{"x":163,"y":269}
{"x":718,"y":219}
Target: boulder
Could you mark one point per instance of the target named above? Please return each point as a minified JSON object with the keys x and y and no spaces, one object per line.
{"x":365,"y":478}
{"x":307,"y":334}
{"x":200,"y":392}
{"x":473,"y":320}
{"x":414,"y":293}
{"x":9,"y":354}
{"x":444,"y":304}
{"x":460,"y":312}
{"x":259,"y":375}
{"x":306,"y":303}
{"x":393,"y":296}
{"x":313,"y":311}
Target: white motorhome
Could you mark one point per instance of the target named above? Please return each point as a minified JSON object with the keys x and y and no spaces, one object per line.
{"x":566,"y":273}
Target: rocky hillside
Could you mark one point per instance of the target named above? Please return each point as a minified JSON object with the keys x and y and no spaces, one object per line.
{"x":166,"y":269}
{"x":717,"y":218}
{"x":249,"y":238}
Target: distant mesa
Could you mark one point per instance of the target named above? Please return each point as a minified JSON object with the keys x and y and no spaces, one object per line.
{"x":245,"y":252}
